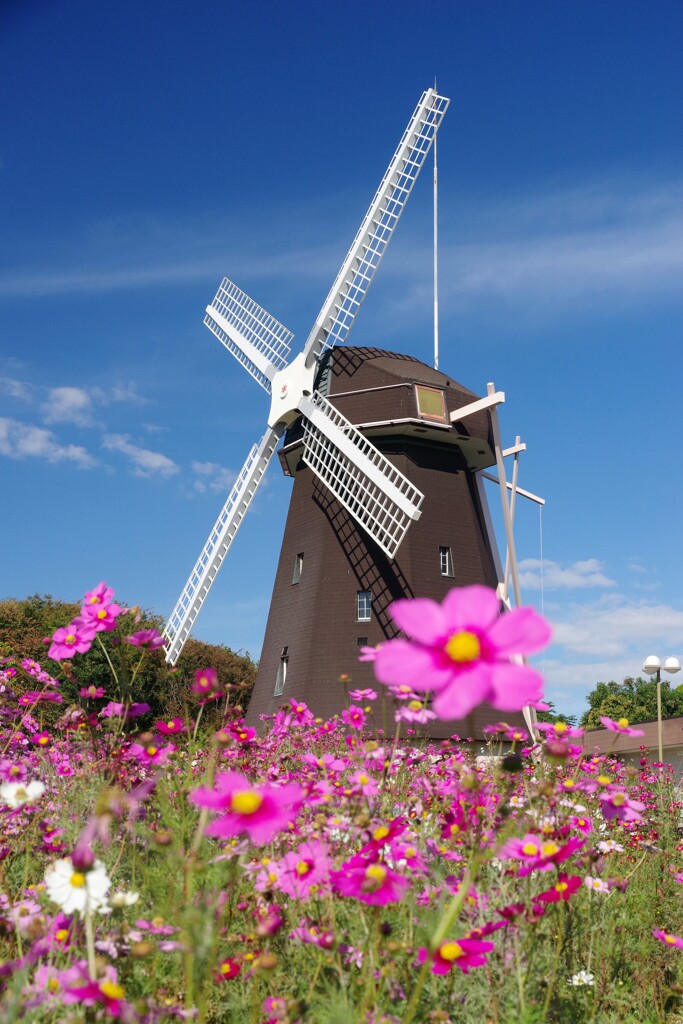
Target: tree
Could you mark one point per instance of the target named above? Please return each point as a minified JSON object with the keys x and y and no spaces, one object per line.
{"x":25,"y":624}
{"x":635,"y":699}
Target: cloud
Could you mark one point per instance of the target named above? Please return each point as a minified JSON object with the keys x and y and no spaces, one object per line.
{"x":146,"y":463}
{"x":15,"y":388}
{"x":68,"y":405}
{"x":22,"y":441}
{"x":534,"y":574}
{"x":213,"y":477}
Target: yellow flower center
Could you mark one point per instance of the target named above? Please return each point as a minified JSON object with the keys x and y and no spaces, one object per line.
{"x":226,"y":968}
{"x":300,"y":708}
{"x":622,"y":723}
{"x":454,"y":829}
{"x":102,"y":613}
{"x":171,"y":724}
{"x":303,"y":868}
{"x":151,"y":751}
{"x":549,"y":849}
{"x":671,"y":939}
{"x":44,"y":740}
{"x":62,"y":935}
{"x":363,"y":780}
{"x":530,"y":849}
{"x":111,"y":990}
{"x":376,"y":873}
{"x":450,"y":951}
{"x":94,"y":600}
{"x":53,"y":985}
{"x":415,"y":705}
{"x":410,"y":852}
{"x":381,"y":832}
{"x":560,"y":727}
{"x":561,"y":887}
{"x":619,"y":799}
{"x":604,"y":780}
{"x":77,"y":880}
{"x":463,"y":647}
{"x":245,"y":801}
{"x":70,"y":638}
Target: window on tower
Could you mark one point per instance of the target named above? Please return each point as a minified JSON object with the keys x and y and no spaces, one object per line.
{"x":430,"y":403}
{"x":281,"y":677}
{"x":446,"y":561}
{"x":298,"y":567}
{"x":364,"y":606}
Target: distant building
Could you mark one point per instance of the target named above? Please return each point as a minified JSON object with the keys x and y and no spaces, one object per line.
{"x":629,"y":748}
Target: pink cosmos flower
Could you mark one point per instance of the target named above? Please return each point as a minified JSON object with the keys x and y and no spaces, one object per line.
{"x":149,"y":638}
{"x":301,"y":713}
{"x":76,"y":638}
{"x":373,"y":883}
{"x":227,"y":969}
{"x":367,"y":654}
{"x":91,"y":692}
{"x":363,"y":694}
{"x":306,"y":867}
{"x":462,"y":649}
{"x":537,"y":854}
{"x":310,"y":933}
{"x":354,"y":717}
{"x":464,"y":953}
{"x":621,"y":725}
{"x":152,"y":754}
{"x":619,"y":805}
{"x":172,"y":727}
{"x":99,"y":595}
{"x":102,"y":616}
{"x":564,"y":888}
{"x":259,"y":811}
{"x":667,"y":938}
{"x":205,"y":681}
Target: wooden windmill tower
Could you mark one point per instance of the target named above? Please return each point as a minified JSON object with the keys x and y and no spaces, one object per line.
{"x":376,"y":443}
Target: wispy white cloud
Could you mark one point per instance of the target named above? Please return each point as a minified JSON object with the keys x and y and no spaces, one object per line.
{"x":535,"y":574}
{"x":68,"y":405}
{"x":213,"y":477}
{"x":18,"y":389}
{"x":23,"y":441}
{"x":145,"y":462}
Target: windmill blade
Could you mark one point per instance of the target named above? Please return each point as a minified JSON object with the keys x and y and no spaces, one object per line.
{"x":378,"y":496}
{"x":353,"y":280}
{"x":189,"y":603}
{"x":255,"y":338}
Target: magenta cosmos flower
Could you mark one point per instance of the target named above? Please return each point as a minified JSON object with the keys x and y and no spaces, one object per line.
{"x":260,"y":812}
{"x":372,"y":883}
{"x":668,"y":939}
{"x":621,"y":725}
{"x":464,"y":953}
{"x":149,"y":638}
{"x":76,"y":638}
{"x":461,"y":650}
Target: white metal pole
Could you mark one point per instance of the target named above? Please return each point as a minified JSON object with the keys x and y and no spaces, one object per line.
{"x":436,"y":255}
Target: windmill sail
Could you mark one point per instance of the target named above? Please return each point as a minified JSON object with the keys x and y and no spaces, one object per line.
{"x":379,"y":497}
{"x":216,"y":548}
{"x":255,"y":338}
{"x":353,"y":280}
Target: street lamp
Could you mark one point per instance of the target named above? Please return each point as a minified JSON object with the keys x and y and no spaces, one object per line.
{"x":653,"y":666}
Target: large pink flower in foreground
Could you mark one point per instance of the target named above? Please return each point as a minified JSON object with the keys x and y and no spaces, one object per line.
{"x":260,"y":812}
{"x":462,"y":650}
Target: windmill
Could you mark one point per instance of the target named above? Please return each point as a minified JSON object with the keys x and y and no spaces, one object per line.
{"x":353,"y":500}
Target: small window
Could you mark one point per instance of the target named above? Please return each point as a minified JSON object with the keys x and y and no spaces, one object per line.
{"x":361,"y":641}
{"x":430,"y":403}
{"x":364,"y":606}
{"x":298,"y":567}
{"x":446,"y":561}
{"x":281,"y":673}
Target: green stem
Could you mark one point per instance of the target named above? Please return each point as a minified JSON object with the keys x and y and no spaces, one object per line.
{"x":90,"y":945}
{"x":111,"y":664}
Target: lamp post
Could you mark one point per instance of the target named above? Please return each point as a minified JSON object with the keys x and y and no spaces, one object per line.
{"x":653,"y":666}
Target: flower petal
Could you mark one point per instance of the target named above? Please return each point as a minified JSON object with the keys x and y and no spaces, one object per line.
{"x":520,"y":631}
{"x":467,"y":607}
{"x":514,"y":686}
{"x":469,"y":688}
{"x":400,"y":662}
{"x":422,"y":619}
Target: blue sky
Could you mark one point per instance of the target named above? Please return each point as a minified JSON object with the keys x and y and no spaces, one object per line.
{"x":148,"y":149}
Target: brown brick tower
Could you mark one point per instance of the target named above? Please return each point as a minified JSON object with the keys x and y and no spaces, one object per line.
{"x":334,"y":584}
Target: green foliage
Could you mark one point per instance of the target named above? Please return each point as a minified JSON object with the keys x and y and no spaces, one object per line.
{"x":26,"y":624}
{"x":635,"y":699}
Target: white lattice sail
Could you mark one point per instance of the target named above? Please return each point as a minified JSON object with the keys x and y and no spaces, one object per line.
{"x":255,"y":338}
{"x":378,"y":496}
{"x":216,"y":548}
{"x":353,"y":280}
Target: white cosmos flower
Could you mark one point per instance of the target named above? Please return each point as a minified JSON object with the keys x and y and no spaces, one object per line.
{"x":582,"y":978}
{"x":124,"y":899}
{"x":78,"y":891}
{"x":16,"y":794}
